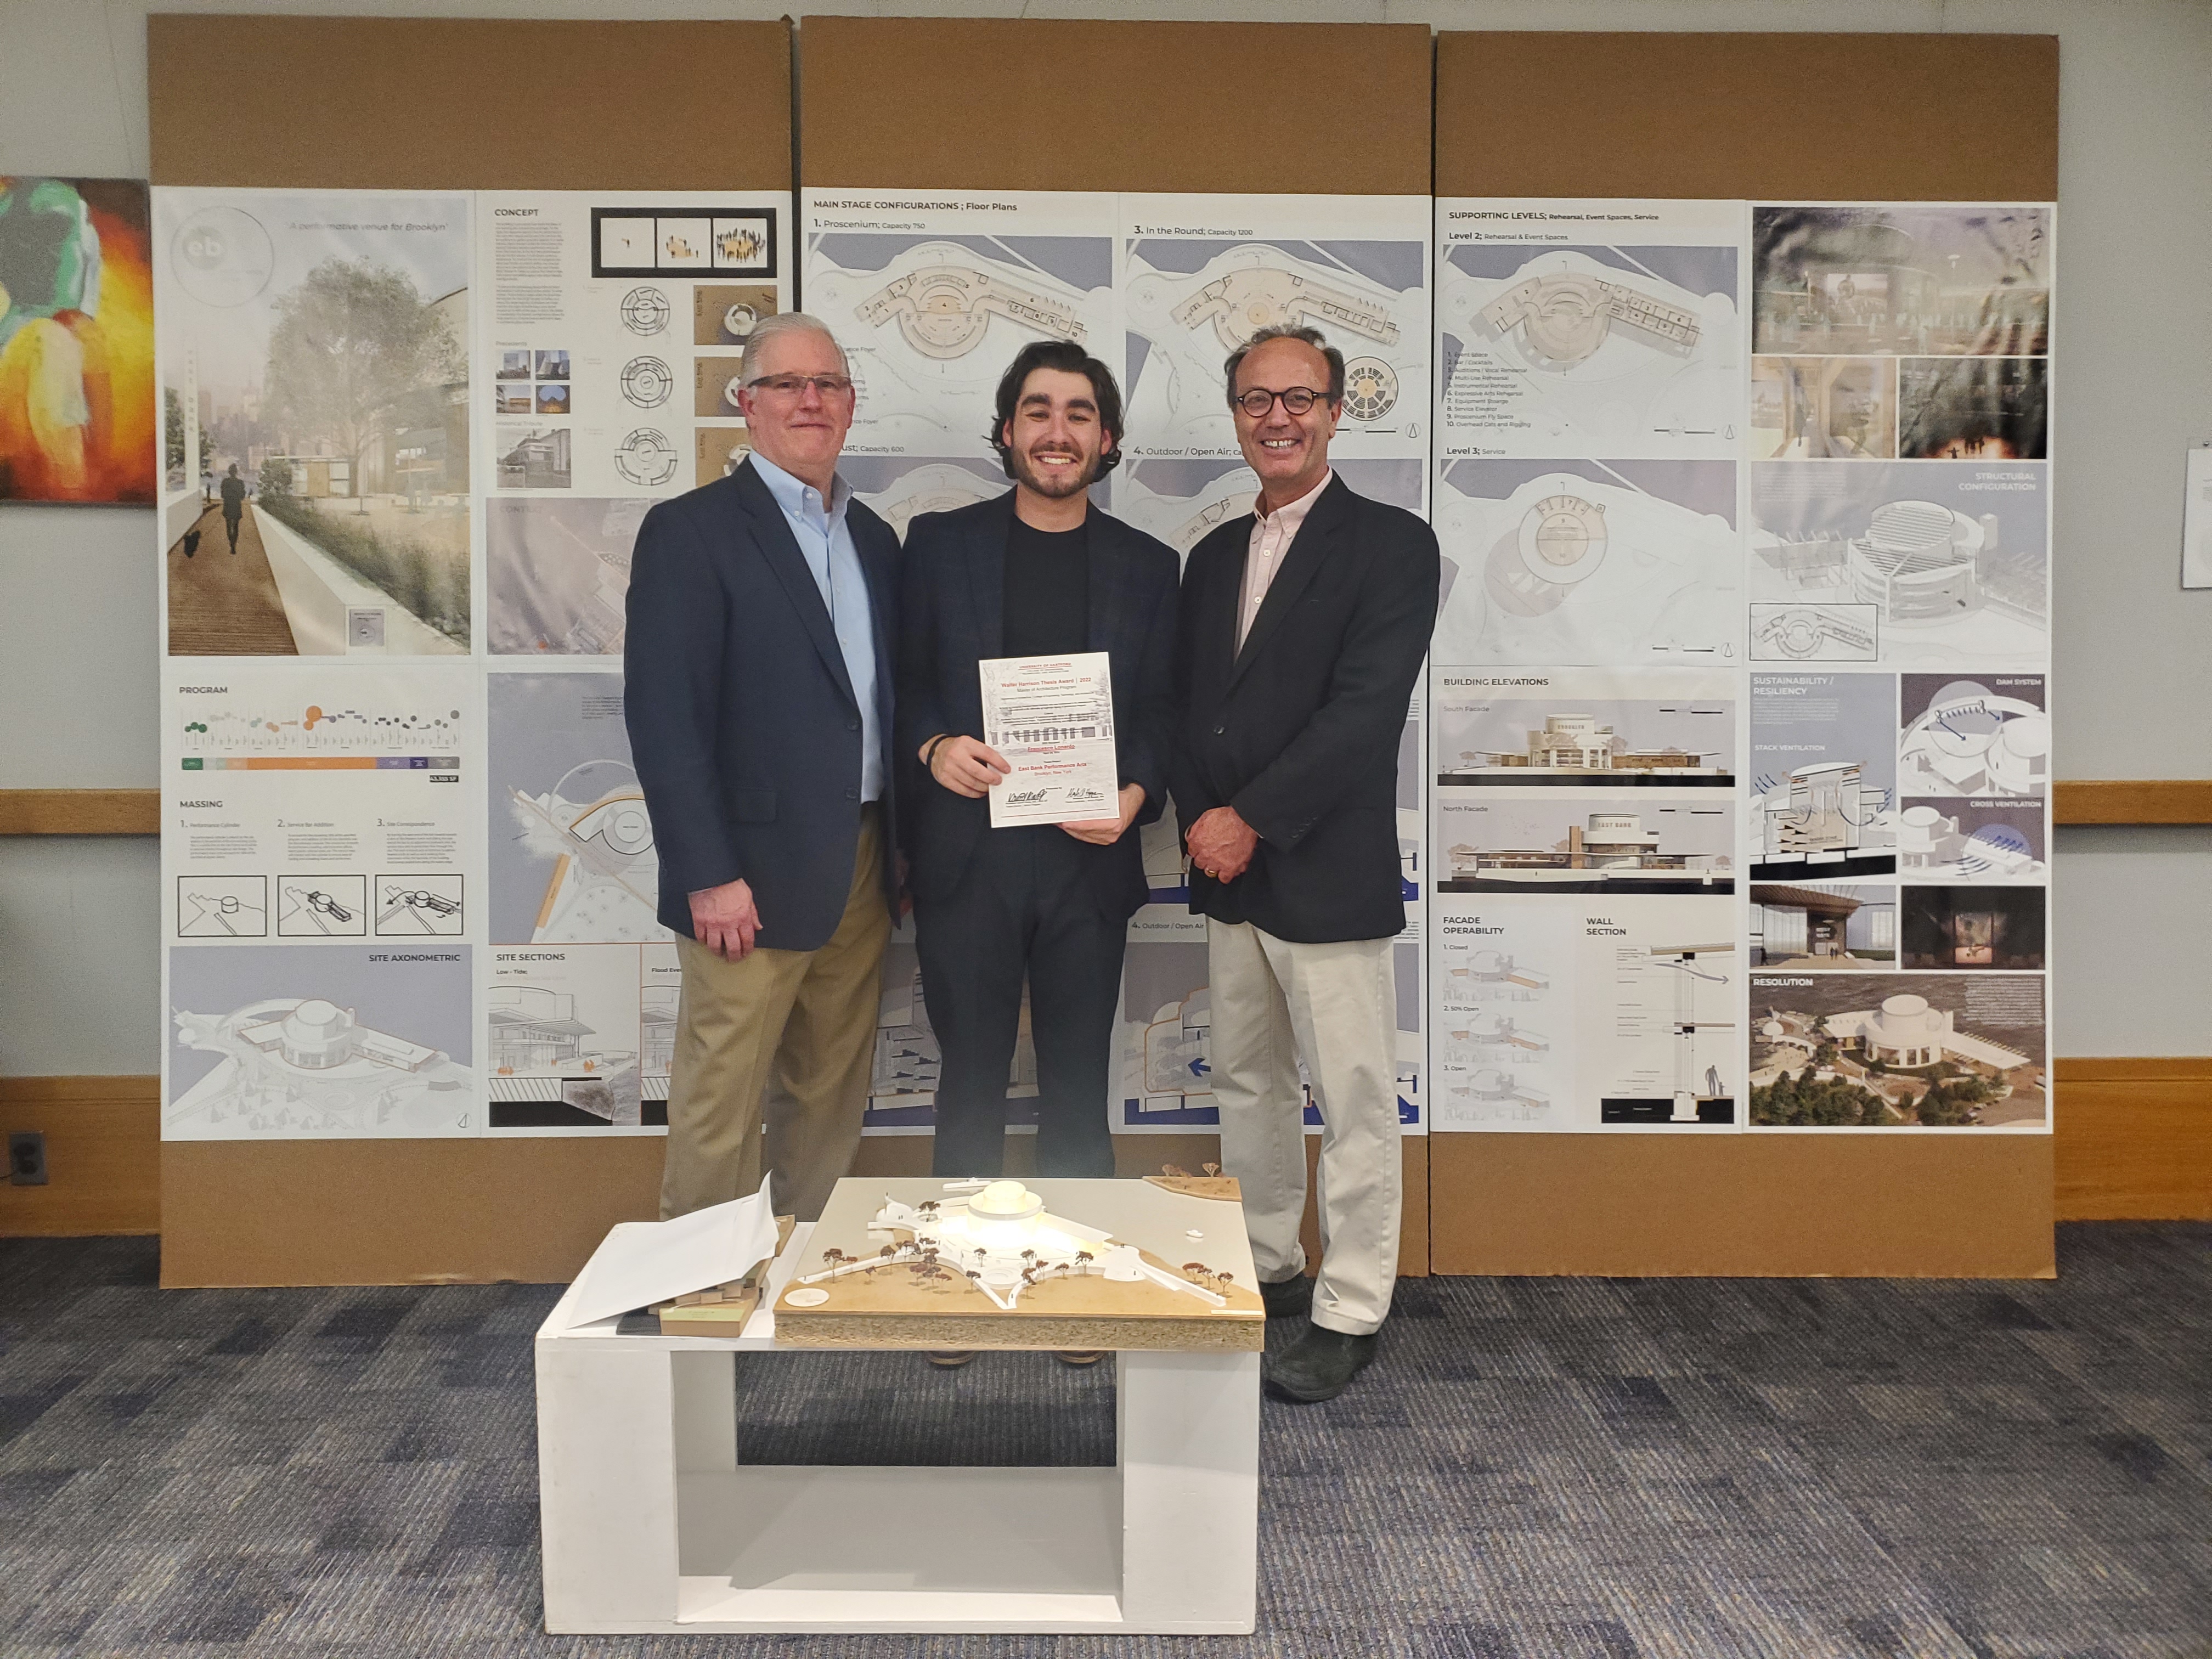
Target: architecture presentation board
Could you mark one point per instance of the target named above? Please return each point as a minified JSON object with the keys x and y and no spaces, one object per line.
{"x":933,"y":292}
{"x":410,"y":882}
{"x":1742,"y":480}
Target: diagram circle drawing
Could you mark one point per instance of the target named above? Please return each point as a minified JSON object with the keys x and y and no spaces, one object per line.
{"x":646,"y":457}
{"x":648,"y":381}
{"x":1371,"y":388}
{"x":645,"y":311}
{"x":1796,"y":634}
{"x":223,"y":256}
{"x":1562,"y":538}
{"x":738,"y":321}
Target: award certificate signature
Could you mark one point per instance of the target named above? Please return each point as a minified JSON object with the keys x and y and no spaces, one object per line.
{"x":1053,"y":719}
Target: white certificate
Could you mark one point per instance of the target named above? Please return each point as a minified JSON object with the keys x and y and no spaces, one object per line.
{"x":1053,"y":719}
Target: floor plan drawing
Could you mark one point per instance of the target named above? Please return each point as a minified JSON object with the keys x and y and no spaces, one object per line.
{"x":1189,"y":301}
{"x":901,"y":489}
{"x":1617,"y":352}
{"x":930,"y":321}
{"x":1622,"y":564}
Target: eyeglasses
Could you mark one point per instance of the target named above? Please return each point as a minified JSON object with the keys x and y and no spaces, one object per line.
{"x":794,"y":386}
{"x":1297,"y":400}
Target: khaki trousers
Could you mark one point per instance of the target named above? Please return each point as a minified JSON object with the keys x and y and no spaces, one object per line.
{"x":1275,"y":1001}
{"x":785,"y":1035}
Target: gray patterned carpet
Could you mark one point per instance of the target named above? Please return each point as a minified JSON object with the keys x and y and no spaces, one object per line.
{"x":1536,"y":1469}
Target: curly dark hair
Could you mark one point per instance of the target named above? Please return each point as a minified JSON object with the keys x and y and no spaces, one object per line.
{"x":1070,"y":358}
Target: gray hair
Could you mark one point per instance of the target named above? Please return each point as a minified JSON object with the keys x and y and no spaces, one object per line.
{"x":1303,"y":332}
{"x":788,"y":322}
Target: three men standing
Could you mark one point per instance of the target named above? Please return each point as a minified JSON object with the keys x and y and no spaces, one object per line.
{"x":1270,"y":699}
{"x":1302,"y":630}
{"x":1038,"y":572}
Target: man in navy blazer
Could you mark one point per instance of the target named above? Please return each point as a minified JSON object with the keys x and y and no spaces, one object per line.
{"x":759,"y":683}
{"x":1302,"y":628}
{"x":1038,"y":572}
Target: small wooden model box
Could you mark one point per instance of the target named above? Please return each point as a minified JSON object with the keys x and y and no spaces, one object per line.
{"x":919,"y":1263}
{"x":722,"y":1309}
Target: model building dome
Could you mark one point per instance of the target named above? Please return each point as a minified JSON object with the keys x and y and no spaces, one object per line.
{"x":317,"y":1035}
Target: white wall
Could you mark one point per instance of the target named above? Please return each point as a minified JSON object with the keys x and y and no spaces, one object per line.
{"x":2133,"y":336}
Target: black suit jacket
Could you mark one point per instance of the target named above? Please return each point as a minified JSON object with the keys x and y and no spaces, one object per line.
{"x":951,"y":604}
{"x":1299,"y":730}
{"x":743,"y":725}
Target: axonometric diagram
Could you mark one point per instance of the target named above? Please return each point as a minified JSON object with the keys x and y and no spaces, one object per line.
{"x":1935,"y":581}
{"x":222,"y":907}
{"x":1970,"y":741}
{"x":308,"y":1065}
{"x":594,"y":828}
{"x":331,"y":907}
{"x":428,"y":906}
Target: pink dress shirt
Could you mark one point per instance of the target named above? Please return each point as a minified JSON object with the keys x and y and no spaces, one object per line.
{"x":1271,"y":534}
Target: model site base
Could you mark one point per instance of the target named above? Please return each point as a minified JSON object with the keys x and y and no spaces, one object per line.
{"x":651,"y":1523}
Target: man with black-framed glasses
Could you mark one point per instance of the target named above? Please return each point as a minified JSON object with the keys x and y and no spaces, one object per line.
{"x":1299,"y":637}
{"x":759,"y":662}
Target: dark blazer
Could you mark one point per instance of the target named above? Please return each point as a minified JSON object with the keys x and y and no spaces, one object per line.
{"x":743,"y":726}
{"x":1299,"y":731}
{"x":951,"y":603}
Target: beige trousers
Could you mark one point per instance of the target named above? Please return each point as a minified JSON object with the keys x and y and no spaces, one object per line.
{"x":1335,"y":1006}
{"x":787,"y":1035}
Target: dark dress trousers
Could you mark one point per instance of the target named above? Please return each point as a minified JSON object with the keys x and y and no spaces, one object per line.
{"x":1298,"y":731}
{"x":995,"y":906}
{"x":743,"y":726}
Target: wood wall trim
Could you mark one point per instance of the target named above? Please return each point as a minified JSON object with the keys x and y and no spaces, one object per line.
{"x":138,"y":811}
{"x":2134,"y":1140}
{"x":2132,"y":800}
{"x":80,"y":813}
{"x":103,"y":1156}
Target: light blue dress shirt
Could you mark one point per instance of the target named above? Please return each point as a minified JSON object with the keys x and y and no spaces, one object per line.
{"x":826,"y":542}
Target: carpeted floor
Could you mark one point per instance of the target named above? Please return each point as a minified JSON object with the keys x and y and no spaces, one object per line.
{"x":1535,"y":1469}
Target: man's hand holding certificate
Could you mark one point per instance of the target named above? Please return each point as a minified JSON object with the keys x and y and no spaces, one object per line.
{"x":1052,"y":719}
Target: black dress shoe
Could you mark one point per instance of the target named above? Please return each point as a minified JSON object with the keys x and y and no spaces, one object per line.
{"x":1286,"y":1297}
{"x":1319,"y":1365}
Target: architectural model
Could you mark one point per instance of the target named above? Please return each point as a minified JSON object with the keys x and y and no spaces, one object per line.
{"x":988,"y":1255}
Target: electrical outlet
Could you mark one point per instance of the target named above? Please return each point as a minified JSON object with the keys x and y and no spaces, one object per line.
{"x":27,"y":1158}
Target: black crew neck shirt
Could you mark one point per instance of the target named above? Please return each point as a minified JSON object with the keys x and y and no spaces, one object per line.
{"x":1048,"y":591}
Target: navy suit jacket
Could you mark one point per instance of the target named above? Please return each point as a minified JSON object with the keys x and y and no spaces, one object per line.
{"x":743,"y":725}
{"x":951,"y":616}
{"x":1298,"y":729}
